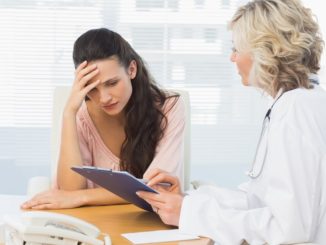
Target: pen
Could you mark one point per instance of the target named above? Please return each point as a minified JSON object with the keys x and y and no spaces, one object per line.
{"x":145,"y":181}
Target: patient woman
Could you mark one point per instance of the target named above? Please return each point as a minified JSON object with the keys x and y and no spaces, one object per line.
{"x":116,"y":117}
{"x":277,"y":48}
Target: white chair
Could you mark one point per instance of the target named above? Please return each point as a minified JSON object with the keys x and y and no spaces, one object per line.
{"x":36,"y":183}
{"x":187,"y":138}
{"x":60,"y":97}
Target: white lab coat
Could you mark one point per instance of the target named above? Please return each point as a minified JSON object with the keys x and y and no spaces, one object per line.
{"x":287,"y":202}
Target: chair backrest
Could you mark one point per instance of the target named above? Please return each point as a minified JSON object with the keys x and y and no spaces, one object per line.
{"x":187,"y":138}
{"x":60,"y":97}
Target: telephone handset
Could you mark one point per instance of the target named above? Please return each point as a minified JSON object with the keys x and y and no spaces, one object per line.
{"x":39,"y":227}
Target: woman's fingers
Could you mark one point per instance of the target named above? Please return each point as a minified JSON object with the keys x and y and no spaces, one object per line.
{"x":44,"y":198}
{"x":44,"y":206}
{"x":53,"y":199}
{"x":35,"y":202}
{"x":89,"y":87}
{"x":84,"y":80}
{"x":80,"y":67}
{"x":84,"y":77}
{"x":82,"y":85}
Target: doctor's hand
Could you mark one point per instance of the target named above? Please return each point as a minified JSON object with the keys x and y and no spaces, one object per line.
{"x":166,"y":204}
{"x":54,"y":199}
{"x":155,"y":176}
{"x":81,"y":86}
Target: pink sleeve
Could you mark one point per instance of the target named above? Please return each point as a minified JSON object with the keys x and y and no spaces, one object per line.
{"x":170,"y":150}
{"x":82,"y":132}
{"x":84,"y":141}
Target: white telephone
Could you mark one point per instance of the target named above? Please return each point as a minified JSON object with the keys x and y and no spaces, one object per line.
{"x":40,"y":228}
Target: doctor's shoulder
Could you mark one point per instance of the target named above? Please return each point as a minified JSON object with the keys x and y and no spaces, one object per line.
{"x":309,"y":101}
{"x":300,"y":107}
{"x":305,"y":111}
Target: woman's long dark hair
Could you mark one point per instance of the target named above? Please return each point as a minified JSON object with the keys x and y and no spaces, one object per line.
{"x":145,"y":121}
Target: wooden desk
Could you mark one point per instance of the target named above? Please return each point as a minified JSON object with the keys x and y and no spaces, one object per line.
{"x":117,"y":219}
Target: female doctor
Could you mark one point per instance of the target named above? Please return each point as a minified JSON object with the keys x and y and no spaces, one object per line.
{"x":277,"y":48}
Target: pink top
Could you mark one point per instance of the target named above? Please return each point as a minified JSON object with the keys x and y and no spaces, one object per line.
{"x":170,"y":150}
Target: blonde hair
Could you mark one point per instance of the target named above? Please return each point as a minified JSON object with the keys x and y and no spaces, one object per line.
{"x":284,"y":41}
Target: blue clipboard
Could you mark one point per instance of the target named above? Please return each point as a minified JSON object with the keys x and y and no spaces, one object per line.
{"x":121,"y":183}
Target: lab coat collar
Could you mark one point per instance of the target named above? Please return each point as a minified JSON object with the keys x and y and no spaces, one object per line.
{"x":314,"y":79}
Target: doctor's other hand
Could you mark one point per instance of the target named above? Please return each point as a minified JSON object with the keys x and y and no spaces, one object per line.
{"x":54,"y":199}
{"x":166,"y":204}
{"x":156,"y":176}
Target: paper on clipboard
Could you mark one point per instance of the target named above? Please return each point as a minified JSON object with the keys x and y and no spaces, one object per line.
{"x":158,"y":236}
{"x":120,"y":183}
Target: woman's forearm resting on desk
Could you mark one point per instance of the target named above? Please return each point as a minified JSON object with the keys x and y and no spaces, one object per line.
{"x":59,"y":199}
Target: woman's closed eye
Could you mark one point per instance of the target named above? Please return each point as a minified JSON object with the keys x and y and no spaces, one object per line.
{"x":111,"y":83}
{"x":92,"y":90}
